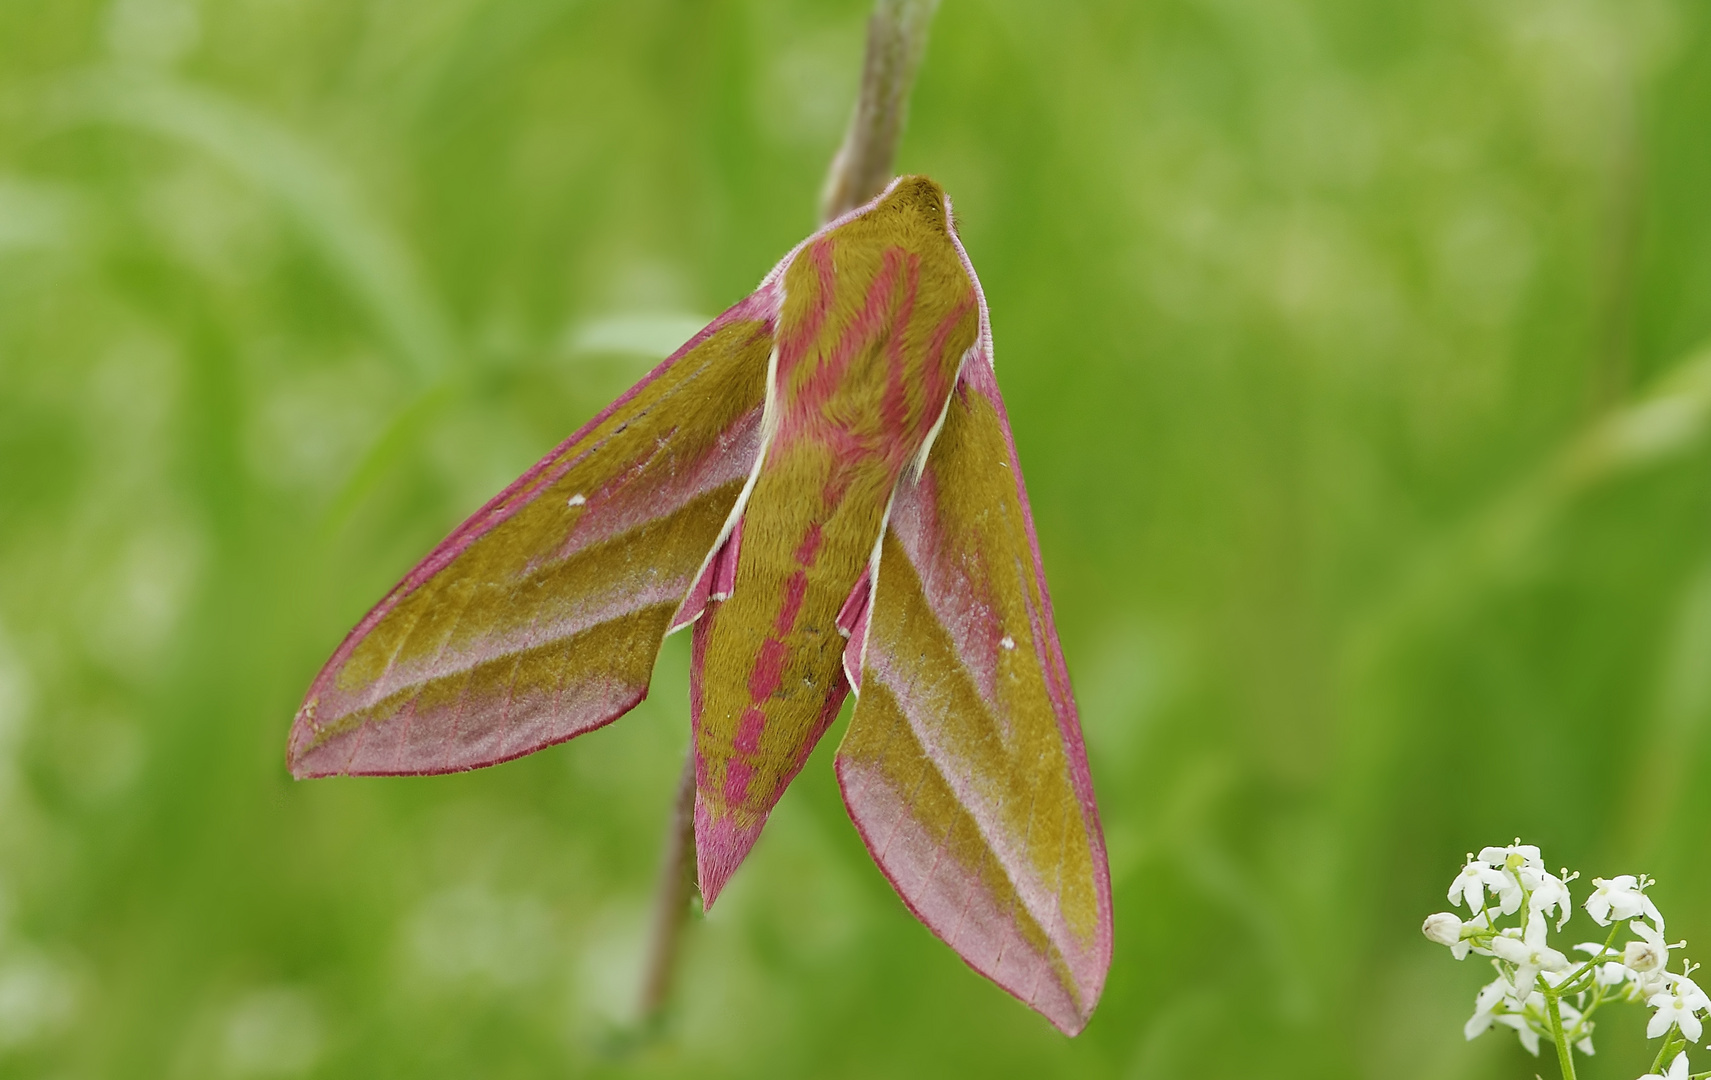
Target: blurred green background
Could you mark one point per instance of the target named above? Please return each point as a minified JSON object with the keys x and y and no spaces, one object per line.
{"x":1353,"y":351}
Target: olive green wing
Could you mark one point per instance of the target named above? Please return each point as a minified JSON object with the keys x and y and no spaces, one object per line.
{"x":963,"y":767}
{"x":540,"y":617}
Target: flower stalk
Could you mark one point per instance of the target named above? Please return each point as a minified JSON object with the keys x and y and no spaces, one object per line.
{"x":1565,"y":1055}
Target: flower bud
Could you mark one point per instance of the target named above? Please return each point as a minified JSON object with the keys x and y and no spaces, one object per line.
{"x":1642,"y":956}
{"x":1443,"y":928}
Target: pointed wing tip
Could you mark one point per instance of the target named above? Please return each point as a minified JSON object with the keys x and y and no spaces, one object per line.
{"x":303,"y":763}
{"x":307,"y":761}
{"x":1064,"y":1009}
{"x":1071,"y":1024}
{"x":1072,"y":1015}
{"x":1068,"y":1020}
{"x":299,"y":747}
{"x":311,"y":752}
{"x":721,"y":845}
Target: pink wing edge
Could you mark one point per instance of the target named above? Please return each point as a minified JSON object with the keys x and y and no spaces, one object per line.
{"x":978,"y":375}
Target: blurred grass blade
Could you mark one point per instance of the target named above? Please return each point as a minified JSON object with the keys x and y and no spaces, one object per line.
{"x":1664,"y":424}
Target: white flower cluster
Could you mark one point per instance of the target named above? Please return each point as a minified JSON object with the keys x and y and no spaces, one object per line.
{"x":1539,"y":992}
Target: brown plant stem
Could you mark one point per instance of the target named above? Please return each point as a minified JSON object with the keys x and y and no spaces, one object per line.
{"x":671,"y":898}
{"x":896,"y":39}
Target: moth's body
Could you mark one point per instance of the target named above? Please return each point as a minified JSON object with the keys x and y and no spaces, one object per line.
{"x":876,"y":319}
{"x":824,"y":484}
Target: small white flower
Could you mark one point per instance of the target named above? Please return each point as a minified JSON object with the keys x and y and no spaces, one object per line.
{"x":1499,"y":856}
{"x":1649,"y":954}
{"x":1678,"y":1070}
{"x":1621,"y":897}
{"x":1507,"y":888}
{"x":1678,"y":1006}
{"x":1443,"y":928}
{"x":1471,"y":883}
{"x":1550,"y":893}
{"x":1643,"y":988}
{"x":1490,"y":995}
{"x":1530,"y":955}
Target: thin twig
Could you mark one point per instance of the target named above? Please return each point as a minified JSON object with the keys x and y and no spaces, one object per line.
{"x":896,"y":39}
{"x":671,"y":900}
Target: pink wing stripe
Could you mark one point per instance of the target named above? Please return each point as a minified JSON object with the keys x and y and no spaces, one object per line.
{"x":717,"y":579}
{"x":725,"y":573}
{"x":853,"y":618}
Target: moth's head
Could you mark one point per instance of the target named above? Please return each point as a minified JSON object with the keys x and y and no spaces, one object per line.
{"x":916,"y":203}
